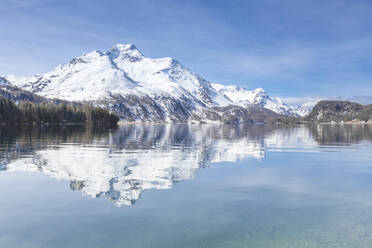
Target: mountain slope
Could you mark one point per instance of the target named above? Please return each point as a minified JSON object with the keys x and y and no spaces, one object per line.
{"x":152,"y":90}
{"x":16,"y":94}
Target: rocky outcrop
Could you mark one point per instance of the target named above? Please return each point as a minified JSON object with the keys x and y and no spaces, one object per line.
{"x":337,"y":111}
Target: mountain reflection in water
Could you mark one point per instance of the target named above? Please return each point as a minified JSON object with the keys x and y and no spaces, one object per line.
{"x":120,"y":164}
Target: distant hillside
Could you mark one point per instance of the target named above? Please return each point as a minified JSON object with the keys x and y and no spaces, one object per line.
{"x":326,"y":111}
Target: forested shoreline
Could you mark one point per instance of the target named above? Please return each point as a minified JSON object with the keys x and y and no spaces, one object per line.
{"x":50,"y":113}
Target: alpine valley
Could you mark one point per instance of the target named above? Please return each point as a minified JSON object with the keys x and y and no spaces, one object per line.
{"x":141,"y":89}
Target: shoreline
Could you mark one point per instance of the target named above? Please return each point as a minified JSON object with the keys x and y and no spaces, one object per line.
{"x":358,"y":122}
{"x":355,"y":122}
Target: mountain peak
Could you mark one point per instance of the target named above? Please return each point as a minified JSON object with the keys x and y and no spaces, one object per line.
{"x":87,"y":57}
{"x":260,"y":90}
{"x":125,"y":51}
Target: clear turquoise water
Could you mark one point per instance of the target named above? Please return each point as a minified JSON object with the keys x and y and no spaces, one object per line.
{"x":186,"y":186}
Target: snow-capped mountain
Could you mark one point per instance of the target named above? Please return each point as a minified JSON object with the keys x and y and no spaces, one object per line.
{"x":145,"y":89}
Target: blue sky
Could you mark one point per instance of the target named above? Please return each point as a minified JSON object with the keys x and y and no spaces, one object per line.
{"x":294,"y":49}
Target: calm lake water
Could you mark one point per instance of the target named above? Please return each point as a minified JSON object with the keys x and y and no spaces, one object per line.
{"x":186,"y":186}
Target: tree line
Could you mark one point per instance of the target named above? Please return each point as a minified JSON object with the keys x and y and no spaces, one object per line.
{"x":43,"y":113}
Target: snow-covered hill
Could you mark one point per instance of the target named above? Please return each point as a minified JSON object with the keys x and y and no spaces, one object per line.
{"x":146,"y":89}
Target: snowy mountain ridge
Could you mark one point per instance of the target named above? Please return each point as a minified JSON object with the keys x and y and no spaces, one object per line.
{"x":138,"y":88}
{"x":244,"y":97}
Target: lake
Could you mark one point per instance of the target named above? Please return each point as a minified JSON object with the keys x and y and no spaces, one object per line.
{"x":186,"y":186}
